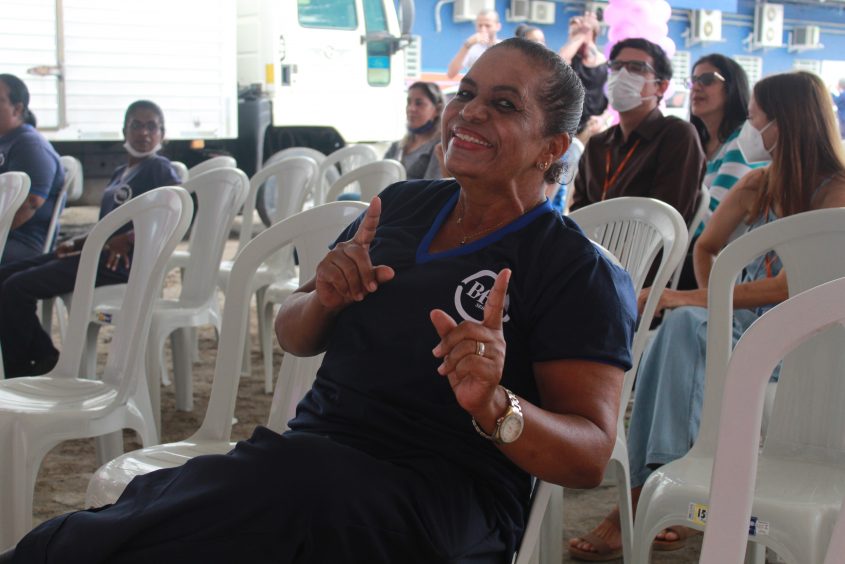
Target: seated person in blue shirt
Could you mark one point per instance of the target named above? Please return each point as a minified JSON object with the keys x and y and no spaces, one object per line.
{"x":23,"y":149}
{"x":27,"y":349}
{"x":473,"y":338}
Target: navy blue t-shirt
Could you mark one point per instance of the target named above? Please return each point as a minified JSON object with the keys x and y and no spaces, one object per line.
{"x":126,"y":183}
{"x":26,"y":150}
{"x":378,"y":388}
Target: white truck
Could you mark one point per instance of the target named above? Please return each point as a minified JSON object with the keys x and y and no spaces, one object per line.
{"x":331,"y":70}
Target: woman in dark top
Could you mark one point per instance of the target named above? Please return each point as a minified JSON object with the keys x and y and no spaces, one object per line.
{"x":416,"y":151}
{"x":473,"y":337}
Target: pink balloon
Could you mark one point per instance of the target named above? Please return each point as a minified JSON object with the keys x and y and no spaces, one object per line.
{"x":668,"y":46}
{"x":612,"y":14}
{"x":662,"y":10}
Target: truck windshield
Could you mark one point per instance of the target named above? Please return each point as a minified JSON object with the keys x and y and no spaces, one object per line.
{"x":334,"y":14}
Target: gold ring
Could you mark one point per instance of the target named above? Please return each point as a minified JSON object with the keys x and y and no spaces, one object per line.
{"x":480,"y":347}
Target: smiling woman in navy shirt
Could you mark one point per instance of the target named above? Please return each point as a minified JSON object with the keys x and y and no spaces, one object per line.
{"x":473,"y":338}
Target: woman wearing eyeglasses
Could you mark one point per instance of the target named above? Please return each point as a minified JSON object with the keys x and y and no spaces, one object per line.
{"x":718,"y":108}
{"x":27,"y":349}
{"x":791,"y":128}
{"x":416,"y":151}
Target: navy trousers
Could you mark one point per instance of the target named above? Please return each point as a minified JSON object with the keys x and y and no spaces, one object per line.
{"x":293,"y":498}
{"x":22,"y":284}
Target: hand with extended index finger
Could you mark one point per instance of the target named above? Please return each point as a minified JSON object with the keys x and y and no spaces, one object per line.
{"x":346,"y":274}
{"x":473,"y":353}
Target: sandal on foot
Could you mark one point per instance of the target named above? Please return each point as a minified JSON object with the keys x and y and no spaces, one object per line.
{"x":669,"y":545}
{"x":602,"y":552}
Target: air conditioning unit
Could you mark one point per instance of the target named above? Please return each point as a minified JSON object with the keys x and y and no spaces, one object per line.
{"x":768,"y":25}
{"x":705,"y":25}
{"x":542,"y":12}
{"x":519,"y":10}
{"x":466,"y":10}
{"x":805,"y":37}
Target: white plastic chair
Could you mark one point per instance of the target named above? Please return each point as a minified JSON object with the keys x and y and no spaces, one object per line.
{"x":634,"y":230}
{"x":181,"y":169}
{"x":836,"y":548}
{"x":777,"y":333}
{"x":71,"y":186}
{"x":701,"y":214}
{"x":311,"y":232}
{"x":331,"y":174}
{"x":368,"y":180}
{"x":797,"y":500}
{"x":348,"y":159}
{"x":14,"y":187}
{"x":211,"y":164}
{"x":290,"y":178}
{"x":37,"y":413}
{"x":220,"y":193}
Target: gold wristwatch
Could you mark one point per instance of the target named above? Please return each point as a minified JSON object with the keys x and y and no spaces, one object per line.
{"x":508,"y":426}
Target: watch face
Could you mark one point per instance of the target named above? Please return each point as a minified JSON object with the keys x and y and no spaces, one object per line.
{"x":511,"y":428}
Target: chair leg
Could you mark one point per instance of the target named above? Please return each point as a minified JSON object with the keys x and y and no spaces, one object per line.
{"x":180,"y":342}
{"x":88,"y":367}
{"x":151,"y":359}
{"x":108,"y":446}
{"x":626,"y":514}
{"x":18,"y":472}
{"x":755,"y":553}
{"x":266,"y":334}
{"x":246,"y":361}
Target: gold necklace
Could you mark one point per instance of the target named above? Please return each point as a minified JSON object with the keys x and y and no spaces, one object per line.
{"x":468,"y":236}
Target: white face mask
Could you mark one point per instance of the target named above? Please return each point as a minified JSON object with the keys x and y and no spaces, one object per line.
{"x":624,"y":90}
{"x":139,"y":154}
{"x":750,"y":141}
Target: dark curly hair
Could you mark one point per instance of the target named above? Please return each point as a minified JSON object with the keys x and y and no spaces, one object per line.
{"x":562,"y":96}
{"x":19,"y":94}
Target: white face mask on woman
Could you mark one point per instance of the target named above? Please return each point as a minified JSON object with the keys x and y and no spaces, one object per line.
{"x":750,"y":141}
{"x":624,"y":90}
{"x":141,"y":154}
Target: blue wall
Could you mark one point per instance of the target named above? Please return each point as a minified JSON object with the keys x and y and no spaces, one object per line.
{"x":438,"y":48}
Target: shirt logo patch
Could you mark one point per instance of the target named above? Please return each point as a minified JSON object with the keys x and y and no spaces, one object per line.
{"x":122,"y":194}
{"x":471,"y":295}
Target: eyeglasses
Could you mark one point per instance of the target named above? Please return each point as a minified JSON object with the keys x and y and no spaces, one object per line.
{"x":705,"y":79}
{"x":150,"y":126}
{"x":636,"y":67}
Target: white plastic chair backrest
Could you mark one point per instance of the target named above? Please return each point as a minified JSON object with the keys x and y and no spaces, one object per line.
{"x":761,"y":347}
{"x":160,"y":218}
{"x":701,"y":214}
{"x":807,"y":413}
{"x":635,"y":230}
{"x":14,"y":187}
{"x":318,"y":156}
{"x":348,"y":158}
{"x":181,"y":170}
{"x":72,"y":168}
{"x":311,"y":232}
{"x":211,"y":164}
{"x":371,"y":178}
{"x":292,"y":177}
{"x":220,"y":194}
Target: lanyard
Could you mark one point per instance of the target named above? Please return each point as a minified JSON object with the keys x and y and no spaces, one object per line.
{"x":610,"y":180}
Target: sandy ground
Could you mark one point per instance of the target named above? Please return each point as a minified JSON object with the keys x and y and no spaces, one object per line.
{"x":64,"y":475}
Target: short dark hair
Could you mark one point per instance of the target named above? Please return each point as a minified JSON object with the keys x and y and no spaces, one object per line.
{"x":524,"y":29}
{"x":19,"y":94}
{"x":737,"y":95}
{"x":662,"y":65}
{"x":562,"y":96}
{"x":143,"y":105}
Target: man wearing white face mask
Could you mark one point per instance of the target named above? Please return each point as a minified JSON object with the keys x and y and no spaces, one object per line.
{"x":646,"y":154}
{"x":27,"y":349}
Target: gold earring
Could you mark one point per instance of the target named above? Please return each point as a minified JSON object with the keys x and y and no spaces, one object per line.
{"x":542,"y":166}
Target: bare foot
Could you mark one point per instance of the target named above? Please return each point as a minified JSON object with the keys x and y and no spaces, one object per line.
{"x":608,"y":530}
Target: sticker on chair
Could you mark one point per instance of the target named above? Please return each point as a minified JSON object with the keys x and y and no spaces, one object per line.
{"x":697,"y":513}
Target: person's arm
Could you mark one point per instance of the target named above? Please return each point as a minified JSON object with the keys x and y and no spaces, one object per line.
{"x":581,"y":398}
{"x":28,"y":208}
{"x":345,"y":275}
{"x":680,"y":169}
{"x":572,"y":45}
{"x":457,"y":62}
{"x":30,"y":157}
